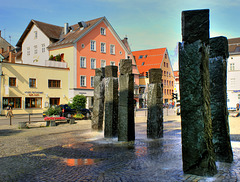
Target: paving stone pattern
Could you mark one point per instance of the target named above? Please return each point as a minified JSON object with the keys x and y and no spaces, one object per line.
{"x":75,"y":153}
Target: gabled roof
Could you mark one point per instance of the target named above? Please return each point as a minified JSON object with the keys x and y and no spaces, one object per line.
{"x":51,"y":31}
{"x":56,"y":33}
{"x":147,"y":59}
{"x":76,"y":33}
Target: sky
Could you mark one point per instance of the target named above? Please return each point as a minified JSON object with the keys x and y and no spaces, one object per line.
{"x":148,"y":24}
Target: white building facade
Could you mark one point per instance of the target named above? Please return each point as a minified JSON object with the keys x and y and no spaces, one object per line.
{"x":233,"y":74}
{"x":35,"y":47}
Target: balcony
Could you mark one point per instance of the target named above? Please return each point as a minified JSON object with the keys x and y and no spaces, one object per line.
{"x":56,"y":64}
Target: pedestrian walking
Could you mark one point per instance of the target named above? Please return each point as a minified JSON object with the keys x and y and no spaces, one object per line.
{"x":9,"y":111}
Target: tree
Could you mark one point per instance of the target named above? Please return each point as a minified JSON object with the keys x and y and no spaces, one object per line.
{"x":79,"y":102}
{"x":53,"y":110}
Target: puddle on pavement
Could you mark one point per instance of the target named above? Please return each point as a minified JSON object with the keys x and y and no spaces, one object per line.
{"x":77,"y":145}
{"x":81,"y":162}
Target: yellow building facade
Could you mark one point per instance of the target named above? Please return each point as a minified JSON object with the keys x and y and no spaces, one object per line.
{"x":32,"y":89}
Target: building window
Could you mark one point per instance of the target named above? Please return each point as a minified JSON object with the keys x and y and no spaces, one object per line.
{"x":35,"y":49}
{"x":164,"y":64}
{"x":54,"y":83}
{"x":83,"y":81}
{"x":103,"y":63}
{"x":35,"y":34}
{"x":32,"y":82}
{"x":15,"y":102}
{"x":103,"y":47}
{"x":33,"y":102}
{"x":93,"y":63}
{"x":232,"y":66}
{"x":28,"y":51}
{"x":12,"y":82}
{"x":165,"y":56}
{"x":103,"y":31}
{"x":112,"y":49}
{"x":43,"y":48}
{"x":54,"y":101}
{"x":82,"y":62}
{"x":167,"y":65}
{"x":93,"y":45}
{"x":92,"y":81}
{"x":112,"y":63}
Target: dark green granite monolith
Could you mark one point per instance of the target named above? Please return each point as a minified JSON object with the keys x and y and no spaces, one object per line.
{"x":218,"y":75}
{"x":155,"y":104}
{"x":197,"y":147}
{"x":111,"y":101}
{"x":98,"y":104}
{"x":126,"y":125}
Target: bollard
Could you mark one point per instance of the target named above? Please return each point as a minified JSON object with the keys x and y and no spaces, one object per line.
{"x":10,"y":120}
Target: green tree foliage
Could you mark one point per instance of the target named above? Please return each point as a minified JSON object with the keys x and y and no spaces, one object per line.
{"x":53,"y":110}
{"x":79,"y":102}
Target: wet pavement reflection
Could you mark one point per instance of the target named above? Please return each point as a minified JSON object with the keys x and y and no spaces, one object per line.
{"x":91,"y":157}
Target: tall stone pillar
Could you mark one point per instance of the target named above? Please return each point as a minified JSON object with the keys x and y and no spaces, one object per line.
{"x":197,"y":147}
{"x":126,"y":125}
{"x":218,"y":75}
{"x":155,"y":104}
{"x":98,"y":104}
{"x":111,"y":101}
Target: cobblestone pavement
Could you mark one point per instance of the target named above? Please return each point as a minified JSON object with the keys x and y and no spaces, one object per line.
{"x":75,"y":153}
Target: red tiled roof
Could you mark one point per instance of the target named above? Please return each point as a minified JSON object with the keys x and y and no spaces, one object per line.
{"x":147,"y":59}
{"x":56,"y":32}
{"x":73,"y":35}
{"x":234,"y":45}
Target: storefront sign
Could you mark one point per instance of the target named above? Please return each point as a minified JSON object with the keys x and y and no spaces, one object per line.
{"x":33,"y":92}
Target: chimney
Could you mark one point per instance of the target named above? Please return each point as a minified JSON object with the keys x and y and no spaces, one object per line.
{"x":11,"y":58}
{"x":1,"y":50}
{"x":9,"y":48}
{"x":0,"y":33}
{"x":66,"y":28}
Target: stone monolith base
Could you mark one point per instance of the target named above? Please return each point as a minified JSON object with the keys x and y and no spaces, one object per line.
{"x":111,"y":102}
{"x":155,"y":104}
{"x":98,"y":104}
{"x":126,"y":125}
{"x":155,"y":111}
{"x":197,"y":147}
{"x":218,"y":89}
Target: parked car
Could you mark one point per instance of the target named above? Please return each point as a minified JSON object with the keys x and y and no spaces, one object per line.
{"x":68,"y":112}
